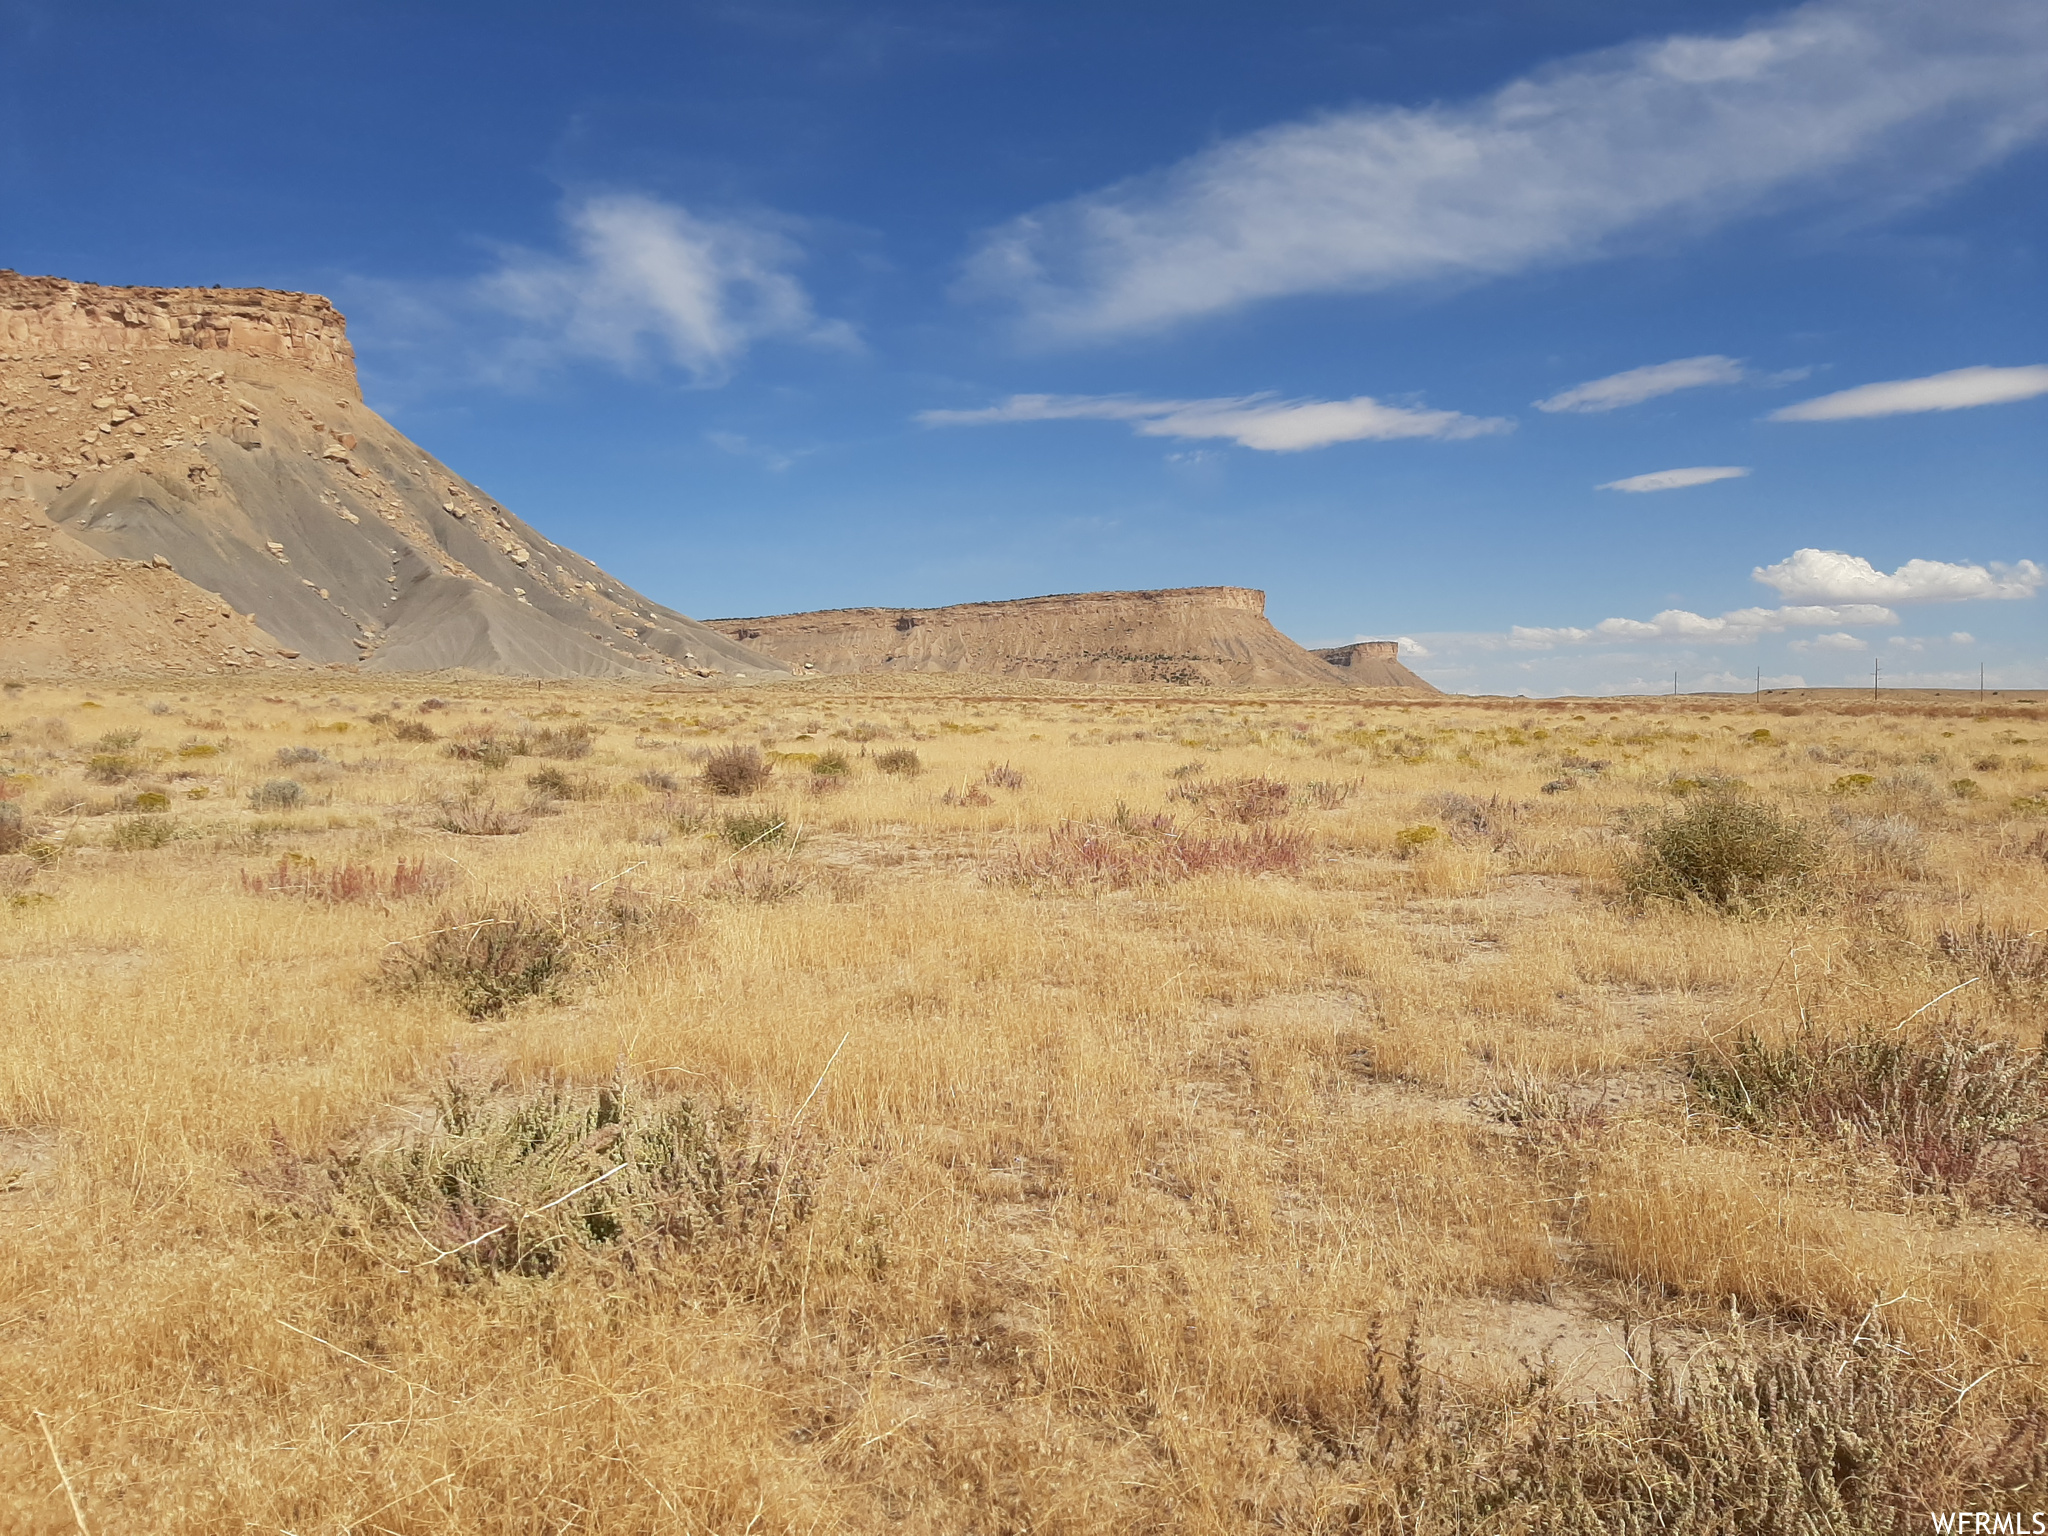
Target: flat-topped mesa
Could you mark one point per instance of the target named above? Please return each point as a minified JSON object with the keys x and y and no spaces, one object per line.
{"x":52,"y":318}
{"x":1211,"y":635}
{"x":1373,"y":664}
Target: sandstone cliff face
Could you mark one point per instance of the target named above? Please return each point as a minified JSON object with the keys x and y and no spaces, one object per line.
{"x":1215,"y":635}
{"x":189,"y":480}
{"x":1374,"y":664}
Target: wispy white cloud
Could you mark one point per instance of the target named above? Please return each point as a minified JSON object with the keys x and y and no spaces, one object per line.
{"x":646,"y":279}
{"x":1831,"y":99}
{"x":1830,"y":576}
{"x":1956,"y":390}
{"x":1676,"y":479}
{"x":1262,"y":421}
{"x":740,"y":446}
{"x":1639,"y":384}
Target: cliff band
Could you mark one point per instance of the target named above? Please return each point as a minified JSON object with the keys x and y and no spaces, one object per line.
{"x":1215,"y":635}
{"x":190,"y":481}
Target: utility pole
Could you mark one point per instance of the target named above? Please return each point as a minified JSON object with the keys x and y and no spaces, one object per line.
{"x":1980,"y":682}
{"x":1674,"y":685}
{"x":1759,"y":682}
{"x":1873,"y":679}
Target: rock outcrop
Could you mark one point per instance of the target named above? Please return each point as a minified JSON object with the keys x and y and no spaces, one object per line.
{"x":1373,"y":664}
{"x":1213,"y":635}
{"x":190,"y":481}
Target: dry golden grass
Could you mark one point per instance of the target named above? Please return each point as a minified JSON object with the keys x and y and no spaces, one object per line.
{"x":1208,"y":1194}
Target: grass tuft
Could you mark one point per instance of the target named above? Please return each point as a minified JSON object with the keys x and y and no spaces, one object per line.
{"x":1948,"y":1108}
{"x":531,"y":1185}
{"x":486,"y":956}
{"x":1727,"y":852}
{"x":277,"y":795}
{"x":736,"y":771}
{"x":1242,"y":800}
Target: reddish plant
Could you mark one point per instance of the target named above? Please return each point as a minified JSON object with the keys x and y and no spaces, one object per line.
{"x":1157,"y":854}
{"x":349,"y":882}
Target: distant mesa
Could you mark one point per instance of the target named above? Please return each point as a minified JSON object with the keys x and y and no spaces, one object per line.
{"x":1187,"y":635}
{"x":190,"y":482}
{"x":1373,"y":664}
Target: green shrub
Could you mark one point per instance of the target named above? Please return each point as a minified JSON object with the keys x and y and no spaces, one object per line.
{"x":755,"y":830}
{"x":140,"y":832}
{"x":278,"y":795}
{"x":14,"y":834}
{"x":412,"y":730}
{"x":486,"y":964}
{"x":112,"y":767}
{"x":902,"y":761}
{"x":1412,"y":840}
{"x":554,"y":784}
{"x":1726,"y":851}
{"x":152,"y":800}
{"x":831,"y":764}
{"x":1852,"y":784}
{"x":736,"y":771}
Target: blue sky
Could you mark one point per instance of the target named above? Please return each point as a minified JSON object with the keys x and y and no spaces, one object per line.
{"x":1543,"y":334}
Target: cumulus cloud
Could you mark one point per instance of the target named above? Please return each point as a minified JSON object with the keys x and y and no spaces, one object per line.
{"x":1738,"y":627}
{"x":1829,"y":575}
{"x":1527,"y":637}
{"x":1640,"y":384}
{"x":1956,"y":390}
{"x":1261,"y":421}
{"x":1834,"y":642}
{"x":650,"y":278}
{"x":1833,"y":98}
{"x":1676,"y":479}
{"x":1826,"y":589}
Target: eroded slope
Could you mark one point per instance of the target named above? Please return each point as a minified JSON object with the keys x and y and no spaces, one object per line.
{"x":218,"y":438}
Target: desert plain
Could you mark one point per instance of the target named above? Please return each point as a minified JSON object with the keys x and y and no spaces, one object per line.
{"x":891,"y":1105}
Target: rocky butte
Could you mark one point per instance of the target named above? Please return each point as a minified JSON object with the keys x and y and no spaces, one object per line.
{"x":1212,"y":635}
{"x":190,"y":481}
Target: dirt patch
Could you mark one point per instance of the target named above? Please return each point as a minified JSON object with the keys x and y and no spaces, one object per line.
{"x":1482,"y":1347}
